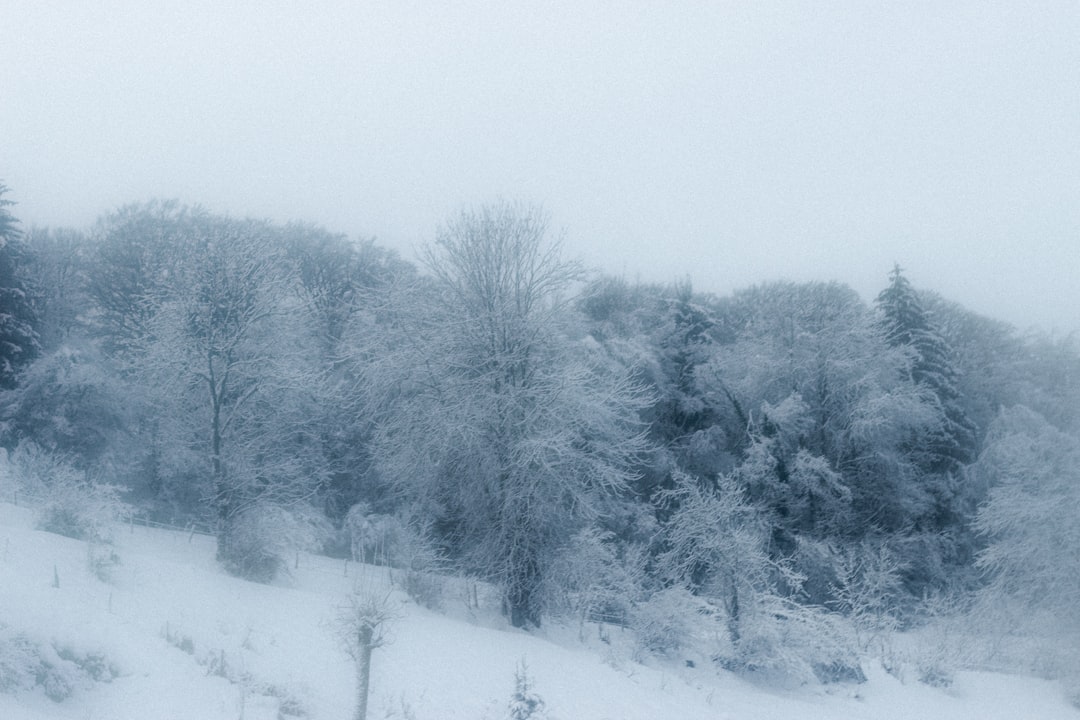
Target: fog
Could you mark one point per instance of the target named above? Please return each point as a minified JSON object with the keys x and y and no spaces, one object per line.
{"x":730,"y":142}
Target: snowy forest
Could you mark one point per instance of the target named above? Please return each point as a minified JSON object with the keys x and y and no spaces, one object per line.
{"x":789,"y":471}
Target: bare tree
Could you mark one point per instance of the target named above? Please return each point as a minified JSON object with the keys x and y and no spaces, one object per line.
{"x":493,"y":418}
{"x":224,"y":355}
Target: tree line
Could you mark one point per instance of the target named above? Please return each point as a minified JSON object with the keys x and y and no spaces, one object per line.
{"x":592,"y":446}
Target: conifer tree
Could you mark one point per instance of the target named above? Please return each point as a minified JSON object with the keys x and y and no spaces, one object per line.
{"x":908,"y":324}
{"x":18,"y":337}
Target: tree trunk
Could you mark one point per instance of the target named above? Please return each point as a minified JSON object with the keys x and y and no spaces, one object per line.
{"x":363,"y":671}
{"x":521,"y":596}
{"x":734,"y":617}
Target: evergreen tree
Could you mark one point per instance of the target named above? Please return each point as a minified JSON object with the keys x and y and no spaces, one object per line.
{"x":907,"y":324}
{"x":18,"y":337}
{"x":682,"y":422}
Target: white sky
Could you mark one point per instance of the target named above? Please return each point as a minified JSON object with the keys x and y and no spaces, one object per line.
{"x":734,"y":142}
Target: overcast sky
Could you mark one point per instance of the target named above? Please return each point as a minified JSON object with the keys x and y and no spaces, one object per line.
{"x":733,"y":142}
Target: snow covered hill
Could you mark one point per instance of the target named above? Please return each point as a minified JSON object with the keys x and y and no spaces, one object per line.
{"x":168,"y":635}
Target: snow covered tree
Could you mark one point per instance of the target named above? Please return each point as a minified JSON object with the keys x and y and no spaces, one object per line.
{"x":72,"y":403}
{"x":58,"y":268}
{"x":990,"y":358}
{"x":339,"y":283}
{"x":525,"y":703}
{"x":223,"y":353}
{"x":491,"y":416}
{"x":830,"y":430}
{"x":363,"y":625}
{"x":810,"y":380}
{"x":717,"y":545}
{"x":18,"y":336}
{"x":337,"y":277}
{"x":681,"y":332}
{"x":1030,"y":520}
{"x":131,"y":267}
{"x":908,"y":325}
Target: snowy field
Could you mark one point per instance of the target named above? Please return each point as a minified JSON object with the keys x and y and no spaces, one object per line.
{"x":171,"y":636}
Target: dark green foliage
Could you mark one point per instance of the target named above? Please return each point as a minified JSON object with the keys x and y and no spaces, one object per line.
{"x":908,"y":325}
{"x":940,"y":455}
{"x":18,"y":335}
{"x":69,"y":402}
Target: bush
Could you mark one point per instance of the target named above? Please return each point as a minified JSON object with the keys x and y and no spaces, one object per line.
{"x":18,"y":658}
{"x":380,"y":539}
{"x":423,"y":567}
{"x":248,"y":546}
{"x":867,"y":591}
{"x":666,"y":622}
{"x":67,"y":502}
{"x":426,"y":589}
{"x":26,"y":664}
{"x":798,"y":642}
{"x":256,"y":542}
{"x":593,"y":581}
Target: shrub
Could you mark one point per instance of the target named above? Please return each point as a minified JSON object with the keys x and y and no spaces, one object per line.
{"x":594,"y":579}
{"x":380,"y":539}
{"x":666,"y":621}
{"x":867,"y":591}
{"x":18,"y":658}
{"x":798,"y":642}
{"x":248,"y":546}
{"x":26,"y":664}
{"x":255,"y":542}
{"x":424,"y":588}
{"x":68,"y":503}
{"x":422,"y":565}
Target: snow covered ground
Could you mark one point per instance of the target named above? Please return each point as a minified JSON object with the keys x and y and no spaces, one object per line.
{"x":180,"y":639}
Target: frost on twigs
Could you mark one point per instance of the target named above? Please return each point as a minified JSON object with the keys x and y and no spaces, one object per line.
{"x":595,"y":579}
{"x":403,"y":544}
{"x":665,"y":622}
{"x":66,"y":501}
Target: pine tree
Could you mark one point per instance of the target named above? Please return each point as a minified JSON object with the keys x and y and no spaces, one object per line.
{"x":18,"y":337}
{"x":525,"y":704}
{"x":908,"y":324}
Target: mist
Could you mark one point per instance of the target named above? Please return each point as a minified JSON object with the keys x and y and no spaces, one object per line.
{"x":729,"y":143}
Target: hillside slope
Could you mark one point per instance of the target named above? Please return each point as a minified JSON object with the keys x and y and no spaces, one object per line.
{"x":176,"y":638}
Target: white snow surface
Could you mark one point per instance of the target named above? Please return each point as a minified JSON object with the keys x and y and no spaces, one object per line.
{"x":279,"y":645}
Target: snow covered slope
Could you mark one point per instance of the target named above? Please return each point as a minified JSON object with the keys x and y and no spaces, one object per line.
{"x":176,"y":638}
